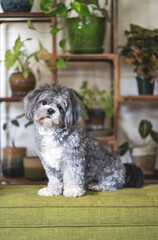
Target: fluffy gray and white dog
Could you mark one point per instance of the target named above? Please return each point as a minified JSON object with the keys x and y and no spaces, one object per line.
{"x":73,"y":160}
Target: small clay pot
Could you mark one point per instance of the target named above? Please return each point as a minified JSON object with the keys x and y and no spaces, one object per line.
{"x":12,"y":165}
{"x":20,"y":86}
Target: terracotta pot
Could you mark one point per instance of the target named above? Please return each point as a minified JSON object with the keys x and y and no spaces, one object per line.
{"x":12,"y":165}
{"x":20,"y":86}
{"x":33,"y":168}
{"x":145,"y":158}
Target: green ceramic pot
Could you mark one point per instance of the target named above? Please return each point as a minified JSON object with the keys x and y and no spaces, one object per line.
{"x":145,"y":86}
{"x":86,"y":35}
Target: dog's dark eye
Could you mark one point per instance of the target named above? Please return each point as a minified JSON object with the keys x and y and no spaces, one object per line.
{"x":44,"y":102}
{"x":60,"y":108}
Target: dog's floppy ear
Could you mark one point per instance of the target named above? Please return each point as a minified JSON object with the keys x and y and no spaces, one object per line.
{"x":29,"y":103}
{"x":73,"y":111}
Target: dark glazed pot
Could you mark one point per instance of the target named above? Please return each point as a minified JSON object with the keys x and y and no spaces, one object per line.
{"x":96,"y":118}
{"x":20,"y":86}
{"x":16,"y":5}
{"x":12,"y":165}
{"x":145,"y":85}
{"x":86,"y":35}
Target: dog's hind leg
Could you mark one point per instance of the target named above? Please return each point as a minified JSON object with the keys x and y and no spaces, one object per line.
{"x":99,"y":187}
{"x":94,"y":186}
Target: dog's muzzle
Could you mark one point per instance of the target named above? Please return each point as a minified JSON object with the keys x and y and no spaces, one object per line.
{"x":50,"y":111}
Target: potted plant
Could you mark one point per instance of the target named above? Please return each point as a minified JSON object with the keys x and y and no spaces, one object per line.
{"x":12,"y":165}
{"x":145,"y":156}
{"x":98,"y":103}
{"x":85,"y":31}
{"x":141,"y":50}
{"x":16,"y":5}
{"x":22,"y":80}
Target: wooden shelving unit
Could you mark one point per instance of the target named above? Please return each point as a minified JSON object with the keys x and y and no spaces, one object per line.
{"x":112,"y":58}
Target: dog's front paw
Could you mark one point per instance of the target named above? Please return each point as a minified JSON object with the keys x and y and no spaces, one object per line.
{"x":47,"y":191}
{"x":74,"y":192}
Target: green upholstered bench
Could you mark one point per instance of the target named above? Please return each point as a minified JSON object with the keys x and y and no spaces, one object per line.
{"x":130,"y":214}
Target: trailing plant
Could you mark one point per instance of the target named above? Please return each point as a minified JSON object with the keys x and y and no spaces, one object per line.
{"x":11,"y":126}
{"x":141,"y":50}
{"x":97,"y":99}
{"x":18,"y":58}
{"x":146,"y":129}
{"x":62,"y":10}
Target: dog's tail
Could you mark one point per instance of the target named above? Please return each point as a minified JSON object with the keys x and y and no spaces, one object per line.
{"x":134,"y":176}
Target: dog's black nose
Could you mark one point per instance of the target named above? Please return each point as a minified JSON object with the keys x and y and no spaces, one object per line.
{"x":50,"y":111}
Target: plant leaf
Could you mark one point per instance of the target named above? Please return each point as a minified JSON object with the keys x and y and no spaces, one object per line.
{"x":18,"y":44}
{"x":123,"y":148}
{"x":144,"y":128}
{"x":5,"y":126}
{"x":59,"y":9}
{"x":84,"y":85}
{"x":60,"y":63}
{"x":80,"y":8}
{"x":30,"y":25}
{"x":54,"y":29}
{"x":28,"y":124}
{"x":20,"y":116}
{"x":62,"y":42}
{"x":95,"y":2}
{"x":154,"y":136}
{"x":10,"y":59}
{"x":44,"y":5}
{"x":109,"y":109}
{"x":15,"y":123}
{"x":30,"y":2}
{"x":25,"y":73}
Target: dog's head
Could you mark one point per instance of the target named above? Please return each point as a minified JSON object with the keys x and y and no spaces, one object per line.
{"x":52,"y":106}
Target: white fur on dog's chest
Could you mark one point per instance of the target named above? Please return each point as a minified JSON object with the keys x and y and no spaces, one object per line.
{"x":51,"y":151}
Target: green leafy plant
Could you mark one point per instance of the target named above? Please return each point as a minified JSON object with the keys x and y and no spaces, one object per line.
{"x":18,"y":58}
{"x":122,"y":149}
{"x":146,"y":129}
{"x":141,"y":50}
{"x":97,"y":99}
{"x":62,"y":10}
{"x":11,"y":126}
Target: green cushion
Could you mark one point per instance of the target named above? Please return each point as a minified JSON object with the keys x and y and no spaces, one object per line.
{"x":127,"y":213}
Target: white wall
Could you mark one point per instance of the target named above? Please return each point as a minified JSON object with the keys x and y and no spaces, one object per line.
{"x":142,"y":12}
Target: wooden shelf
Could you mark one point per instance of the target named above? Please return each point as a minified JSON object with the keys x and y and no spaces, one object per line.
{"x":88,"y":57}
{"x":12,"y":99}
{"x":107,"y":140}
{"x":22,"y":16}
{"x":140,"y":98}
